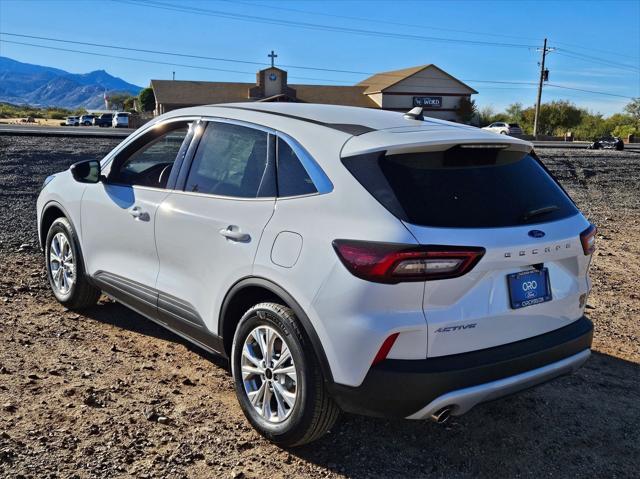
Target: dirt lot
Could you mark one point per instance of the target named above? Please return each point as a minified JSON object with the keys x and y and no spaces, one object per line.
{"x":76,"y":389}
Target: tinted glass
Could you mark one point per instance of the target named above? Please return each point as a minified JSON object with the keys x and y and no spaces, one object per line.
{"x":151,"y":161}
{"x":463,"y":188}
{"x":293,"y":179}
{"x":232,"y":160}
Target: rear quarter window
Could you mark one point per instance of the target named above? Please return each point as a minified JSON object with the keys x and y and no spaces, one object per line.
{"x":463,"y":188}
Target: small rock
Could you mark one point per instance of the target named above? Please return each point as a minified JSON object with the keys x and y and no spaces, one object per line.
{"x":163,"y":420}
{"x":151,"y":415}
{"x":33,"y":376}
{"x":9,"y":407}
{"x":4,"y":370}
{"x":188,"y":382}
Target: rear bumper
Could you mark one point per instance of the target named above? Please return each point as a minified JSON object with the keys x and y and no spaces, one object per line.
{"x":417,"y":388}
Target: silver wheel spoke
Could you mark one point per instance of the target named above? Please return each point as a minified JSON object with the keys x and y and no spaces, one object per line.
{"x":255,"y":396}
{"x":246,"y":353}
{"x":281,"y":411}
{"x":289,"y":371}
{"x":284,"y":355}
{"x":266,"y":402}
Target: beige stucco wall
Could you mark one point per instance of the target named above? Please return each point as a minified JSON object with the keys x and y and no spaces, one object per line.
{"x":430,"y":80}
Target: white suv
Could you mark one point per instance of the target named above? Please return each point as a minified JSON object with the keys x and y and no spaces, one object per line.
{"x":120,"y":120}
{"x":512,"y":129}
{"x":341,"y":258}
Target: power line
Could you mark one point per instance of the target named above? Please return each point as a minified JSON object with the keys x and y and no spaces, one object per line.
{"x":348,"y":82}
{"x":199,"y":67}
{"x":588,"y":91}
{"x":316,"y":26}
{"x":602,"y":61}
{"x":377,"y":20}
{"x":234,"y":60}
{"x":157,"y":62}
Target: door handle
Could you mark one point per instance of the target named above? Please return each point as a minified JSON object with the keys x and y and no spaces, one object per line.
{"x":138,"y":214}
{"x":233,"y":233}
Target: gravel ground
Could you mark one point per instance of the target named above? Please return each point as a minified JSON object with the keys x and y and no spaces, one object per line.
{"x":80,"y":394}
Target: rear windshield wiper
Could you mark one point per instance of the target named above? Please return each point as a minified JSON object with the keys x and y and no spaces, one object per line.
{"x":539,"y":211}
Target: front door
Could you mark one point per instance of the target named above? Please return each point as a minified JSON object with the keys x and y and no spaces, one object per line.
{"x":118,"y":216}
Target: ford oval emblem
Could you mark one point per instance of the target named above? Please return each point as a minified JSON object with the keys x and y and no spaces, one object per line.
{"x":536,"y":233}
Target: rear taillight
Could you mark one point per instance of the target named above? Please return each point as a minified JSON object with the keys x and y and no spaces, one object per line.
{"x":395,"y":263}
{"x":588,"y":239}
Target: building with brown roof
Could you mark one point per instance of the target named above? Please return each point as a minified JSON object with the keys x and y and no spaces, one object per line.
{"x":427,"y":85}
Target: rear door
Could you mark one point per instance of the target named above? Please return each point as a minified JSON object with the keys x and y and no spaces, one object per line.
{"x":532,"y":278}
{"x":207,"y":235}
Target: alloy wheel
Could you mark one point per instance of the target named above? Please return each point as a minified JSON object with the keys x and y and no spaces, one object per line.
{"x":269,"y":374}
{"x":61,"y":263}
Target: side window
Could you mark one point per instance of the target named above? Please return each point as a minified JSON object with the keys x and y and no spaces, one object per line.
{"x":148,"y":161}
{"x":232,"y":160}
{"x":293,"y":179}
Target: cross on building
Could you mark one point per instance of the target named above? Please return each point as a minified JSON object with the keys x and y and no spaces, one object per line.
{"x":273,"y":56}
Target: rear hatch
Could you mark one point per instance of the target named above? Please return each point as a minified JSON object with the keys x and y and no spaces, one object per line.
{"x":494,"y":194}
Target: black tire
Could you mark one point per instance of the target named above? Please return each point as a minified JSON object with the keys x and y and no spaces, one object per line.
{"x":81,"y":294}
{"x":314,"y":411}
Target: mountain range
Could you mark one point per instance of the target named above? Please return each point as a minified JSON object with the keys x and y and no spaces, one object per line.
{"x":36,"y":85}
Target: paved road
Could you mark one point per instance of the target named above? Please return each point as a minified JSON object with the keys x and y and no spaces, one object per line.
{"x":76,"y":131}
{"x":92,"y":131}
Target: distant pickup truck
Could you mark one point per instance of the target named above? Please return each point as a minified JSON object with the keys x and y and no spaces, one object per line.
{"x":103,"y":120}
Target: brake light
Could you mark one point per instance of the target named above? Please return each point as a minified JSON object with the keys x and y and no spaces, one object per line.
{"x":393,"y":263}
{"x":588,"y":239}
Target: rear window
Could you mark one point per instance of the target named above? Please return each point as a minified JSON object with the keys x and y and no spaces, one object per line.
{"x":463,"y":187}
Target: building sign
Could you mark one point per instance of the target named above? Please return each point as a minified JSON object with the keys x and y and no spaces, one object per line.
{"x":428,"y":101}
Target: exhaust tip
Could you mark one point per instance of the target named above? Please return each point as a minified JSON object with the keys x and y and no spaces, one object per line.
{"x":442,"y":415}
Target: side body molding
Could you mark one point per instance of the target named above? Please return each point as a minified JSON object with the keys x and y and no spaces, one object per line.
{"x":168,"y":311}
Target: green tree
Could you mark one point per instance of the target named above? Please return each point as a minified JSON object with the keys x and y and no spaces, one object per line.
{"x":117,"y":100}
{"x":633,"y":109}
{"x":147,"y":99}
{"x":466,"y":109}
{"x":514,"y":112}
{"x":556,"y":118}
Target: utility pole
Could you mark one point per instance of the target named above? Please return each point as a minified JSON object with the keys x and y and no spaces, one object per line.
{"x":535,"y":120}
{"x":174,"y":75}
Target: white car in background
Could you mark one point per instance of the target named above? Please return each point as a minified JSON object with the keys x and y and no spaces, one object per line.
{"x":72,"y":121}
{"x":342,"y":258}
{"x":511,"y":129}
{"x":120,"y":120}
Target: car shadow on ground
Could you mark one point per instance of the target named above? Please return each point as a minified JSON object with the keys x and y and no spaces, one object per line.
{"x":584,"y":423}
{"x":120,"y":316}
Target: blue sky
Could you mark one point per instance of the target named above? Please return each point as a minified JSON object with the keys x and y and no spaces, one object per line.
{"x":607,"y":31}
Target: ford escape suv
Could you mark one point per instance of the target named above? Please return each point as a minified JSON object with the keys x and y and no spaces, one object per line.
{"x":341,"y":258}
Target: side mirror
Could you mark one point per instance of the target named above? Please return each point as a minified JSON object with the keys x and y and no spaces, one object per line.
{"x":87,"y":171}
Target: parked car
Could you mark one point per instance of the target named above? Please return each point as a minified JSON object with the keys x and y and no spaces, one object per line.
{"x":337,"y":263}
{"x":120,"y":120}
{"x":607,"y":143}
{"x":511,"y":129}
{"x":86,"y":120}
{"x":105,"y":119}
{"x":72,"y":121}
